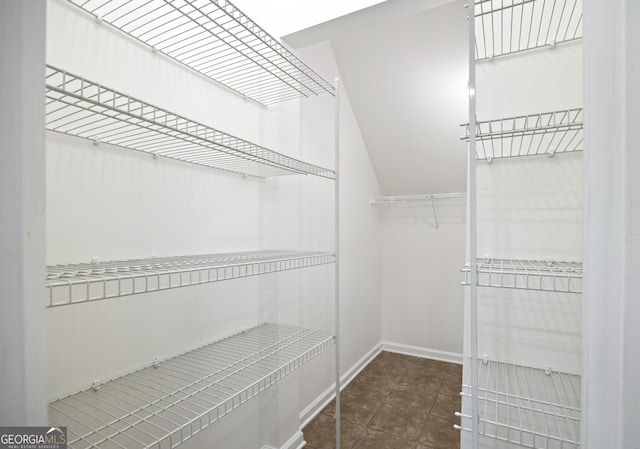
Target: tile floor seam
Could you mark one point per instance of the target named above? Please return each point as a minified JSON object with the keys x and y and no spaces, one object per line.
{"x":424,"y":423}
{"x":366,"y":425}
{"x":383,"y":401}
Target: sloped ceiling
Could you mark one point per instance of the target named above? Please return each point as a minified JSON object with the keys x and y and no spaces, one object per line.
{"x":404,"y":66}
{"x":406,"y":79}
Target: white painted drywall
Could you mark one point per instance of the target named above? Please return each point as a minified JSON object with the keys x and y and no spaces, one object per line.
{"x":400,"y":74}
{"x":23,"y":353}
{"x":422,"y":297}
{"x":360,"y":233}
{"x":611,"y":395}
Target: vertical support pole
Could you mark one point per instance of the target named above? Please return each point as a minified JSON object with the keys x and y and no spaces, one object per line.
{"x":473,"y":237}
{"x":23,"y":358}
{"x":337,"y":264}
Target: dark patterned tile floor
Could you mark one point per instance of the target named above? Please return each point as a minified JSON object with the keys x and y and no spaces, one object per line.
{"x":396,"y":402}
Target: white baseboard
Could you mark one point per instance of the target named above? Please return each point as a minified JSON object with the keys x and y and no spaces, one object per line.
{"x":307,"y":415}
{"x":295,"y":442}
{"x":426,"y":353}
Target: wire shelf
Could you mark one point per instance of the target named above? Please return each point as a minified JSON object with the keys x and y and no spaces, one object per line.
{"x":163,"y":405}
{"x":536,"y":408}
{"x":400,"y":199}
{"x":547,"y":133}
{"x":82,"y":108}
{"x":79,"y":283}
{"x":548,"y":275}
{"x":216,"y":39}
{"x":506,"y":27}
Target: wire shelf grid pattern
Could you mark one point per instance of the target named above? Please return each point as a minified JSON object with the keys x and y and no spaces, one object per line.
{"x":217,"y":40}
{"x":511,"y":26}
{"x":553,"y":276}
{"x":536,"y":408}
{"x":165,"y":404}
{"x":399,"y":199}
{"x":78,"y":283}
{"x":545,"y":133}
{"x":81,"y":108}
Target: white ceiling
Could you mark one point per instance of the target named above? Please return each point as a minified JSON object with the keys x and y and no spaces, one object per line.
{"x":404,"y":65}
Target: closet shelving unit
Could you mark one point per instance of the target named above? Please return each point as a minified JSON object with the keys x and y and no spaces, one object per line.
{"x":217,"y":40}
{"x":533,"y":407}
{"x":528,"y":406}
{"x":544,"y":275}
{"x":507,"y":27}
{"x":165,"y":404}
{"x":169,"y":401}
{"x":87,"y":109}
{"x":76,"y":283}
{"x":529,"y":135}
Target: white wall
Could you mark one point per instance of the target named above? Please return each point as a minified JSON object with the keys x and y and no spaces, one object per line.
{"x":360,"y":234}
{"x":611,"y":395}
{"x":409,"y":97}
{"x":111,"y":203}
{"x":22,"y":321}
{"x":422,"y":297}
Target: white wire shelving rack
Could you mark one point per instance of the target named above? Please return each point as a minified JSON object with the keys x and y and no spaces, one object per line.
{"x":542,"y":275}
{"x":504,"y":27}
{"x":547,"y":133}
{"x":535,"y":408}
{"x":78,"y":283}
{"x":532,"y":407}
{"x":166,"y":403}
{"x":216,"y":39}
{"x":82,"y":108}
